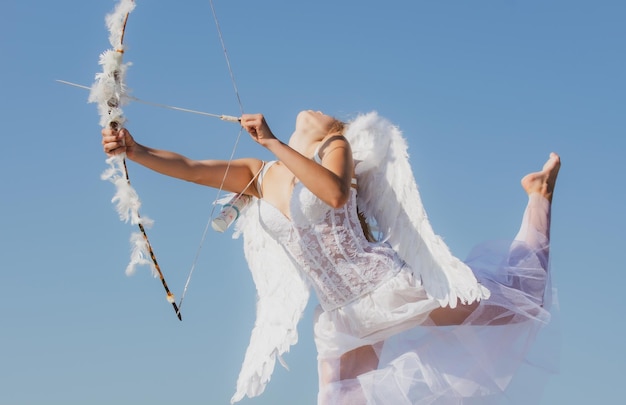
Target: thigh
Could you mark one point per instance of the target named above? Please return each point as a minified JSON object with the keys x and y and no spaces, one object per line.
{"x":358,"y":361}
{"x":446,"y":316}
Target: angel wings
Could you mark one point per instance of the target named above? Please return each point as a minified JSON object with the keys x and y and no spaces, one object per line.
{"x":382,"y":169}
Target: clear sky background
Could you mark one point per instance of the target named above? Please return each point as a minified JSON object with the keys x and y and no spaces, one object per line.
{"x":482,"y":89}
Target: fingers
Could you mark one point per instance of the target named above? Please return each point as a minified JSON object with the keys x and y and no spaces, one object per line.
{"x":252,"y":122}
{"x":257,"y":127}
{"x":249,"y":118}
{"x":114,"y":142}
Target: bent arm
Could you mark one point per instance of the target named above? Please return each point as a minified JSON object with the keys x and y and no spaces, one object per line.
{"x":329,"y":181}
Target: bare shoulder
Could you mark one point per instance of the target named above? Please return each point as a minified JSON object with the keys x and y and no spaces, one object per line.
{"x":333,"y":143}
{"x":253,"y":164}
{"x":252,"y":168}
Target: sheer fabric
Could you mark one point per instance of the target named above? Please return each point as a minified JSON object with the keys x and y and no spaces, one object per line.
{"x":369,"y":296}
{"x":328,"y":245}
{"x":501,"y":354}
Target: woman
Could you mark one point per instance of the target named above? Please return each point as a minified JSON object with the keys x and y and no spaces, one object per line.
{"x":374,"y":296}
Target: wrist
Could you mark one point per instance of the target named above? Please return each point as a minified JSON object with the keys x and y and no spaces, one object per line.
{"x":135,"y":151}
{"x":272,"y":144}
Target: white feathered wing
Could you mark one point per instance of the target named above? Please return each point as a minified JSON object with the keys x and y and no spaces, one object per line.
{"x":383,"y":169}
{"x":282,"y":295}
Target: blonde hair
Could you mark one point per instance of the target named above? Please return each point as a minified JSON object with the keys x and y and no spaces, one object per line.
{"x":339,"y":127}
{"x":365,"y":226}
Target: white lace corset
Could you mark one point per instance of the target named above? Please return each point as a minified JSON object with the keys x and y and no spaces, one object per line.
{"x":328,"y":245}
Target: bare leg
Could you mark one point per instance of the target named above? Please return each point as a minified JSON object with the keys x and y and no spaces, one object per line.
{"x":535,"y":231}
{"x":543,"y":182}
{"x":537,"y":216}
{"x":351,"y":364}
{"x":338,"y":384}
{"x":357,"y":362}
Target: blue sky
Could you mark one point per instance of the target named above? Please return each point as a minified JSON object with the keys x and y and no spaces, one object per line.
{"x":483,"y":91}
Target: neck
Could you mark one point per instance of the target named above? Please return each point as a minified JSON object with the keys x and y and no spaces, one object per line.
{"x":304,"y":142}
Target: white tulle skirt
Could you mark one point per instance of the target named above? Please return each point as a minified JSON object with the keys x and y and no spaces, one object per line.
{"x":501,"y":354}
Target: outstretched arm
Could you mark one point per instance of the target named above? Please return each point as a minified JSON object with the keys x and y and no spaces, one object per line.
{"x":205,"y":172}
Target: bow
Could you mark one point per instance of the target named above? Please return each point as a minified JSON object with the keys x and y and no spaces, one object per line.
{"x":110,"y":92}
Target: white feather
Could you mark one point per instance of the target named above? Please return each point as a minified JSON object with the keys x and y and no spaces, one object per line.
{"x":139,"y":254}
{"x":282,"y":295}
{"x":110,"y":93}
{"x":115,"y":21}
{"x":383,"y":169}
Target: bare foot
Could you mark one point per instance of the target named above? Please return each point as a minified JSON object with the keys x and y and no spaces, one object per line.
{"x":543,"y":182}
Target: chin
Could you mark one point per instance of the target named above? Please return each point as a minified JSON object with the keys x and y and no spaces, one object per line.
{"x":305,"y":114}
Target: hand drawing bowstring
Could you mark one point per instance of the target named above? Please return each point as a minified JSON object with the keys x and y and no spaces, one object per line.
{"x":110,"y":93}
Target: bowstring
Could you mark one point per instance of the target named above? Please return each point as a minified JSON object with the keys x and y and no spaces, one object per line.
{"x":230,"y":159}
